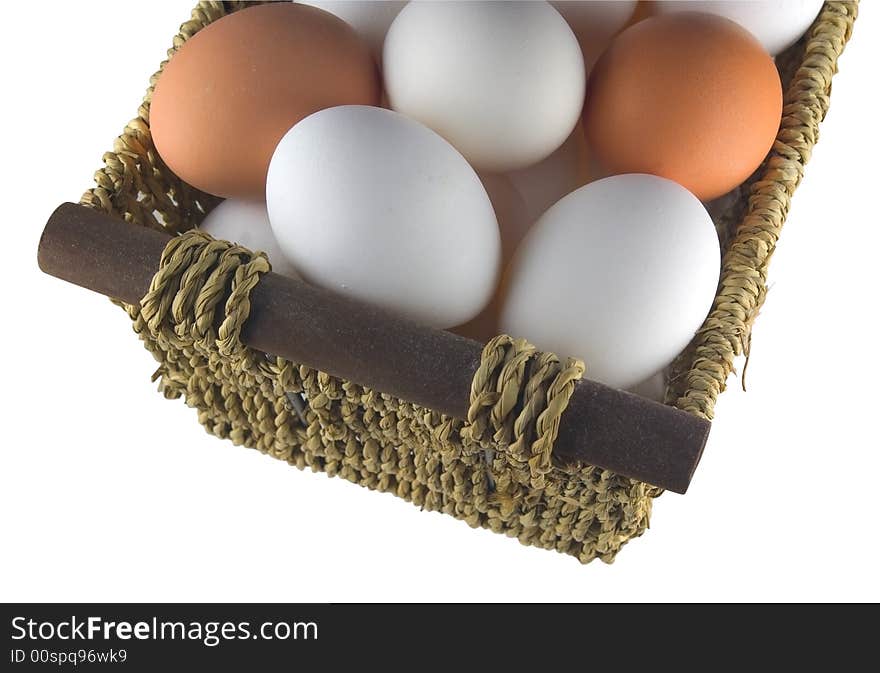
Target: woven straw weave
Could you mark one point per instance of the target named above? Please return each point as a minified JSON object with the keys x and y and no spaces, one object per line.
{"x":494,"y":469}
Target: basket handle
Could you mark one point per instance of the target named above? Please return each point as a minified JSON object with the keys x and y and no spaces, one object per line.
{"x":608,"y":428}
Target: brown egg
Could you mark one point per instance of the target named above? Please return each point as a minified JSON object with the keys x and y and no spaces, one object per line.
{"x":689,"y":97}
{"x":233,"y":90}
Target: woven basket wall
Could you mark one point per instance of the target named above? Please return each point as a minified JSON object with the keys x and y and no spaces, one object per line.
{"x":477,"y":471}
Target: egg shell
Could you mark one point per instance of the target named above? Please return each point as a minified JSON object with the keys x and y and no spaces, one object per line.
{"x":690,"y":97}
{"x":374,"y":205}
{"x":595,"y":22}
{"x":621,"y":273}
{"x":777,"y":24}
{"x":502,"y":81}
{"x":232,"y":90}
{"x":247,"y":223}
{"x":544,"y":183}
{"x":370,"y":19}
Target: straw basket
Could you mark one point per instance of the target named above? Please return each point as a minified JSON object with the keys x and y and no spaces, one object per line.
{"x":496,"y":467}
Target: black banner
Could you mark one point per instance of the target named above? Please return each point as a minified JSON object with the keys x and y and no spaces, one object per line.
{"x":261,"y":637}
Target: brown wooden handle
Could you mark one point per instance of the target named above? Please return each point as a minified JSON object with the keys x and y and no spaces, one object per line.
{"x":602,"y":426}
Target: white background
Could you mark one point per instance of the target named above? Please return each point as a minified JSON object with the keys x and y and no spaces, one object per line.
{"x":108,"y":492}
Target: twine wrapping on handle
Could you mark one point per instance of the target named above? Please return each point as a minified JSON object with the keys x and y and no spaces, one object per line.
{"x":519,"y":394}
{"x":196,"y":274}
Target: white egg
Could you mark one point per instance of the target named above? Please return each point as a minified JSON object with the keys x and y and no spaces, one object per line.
{"x":777,"y":24}
{"x":369,"y":18}
{"x":595,"y":22}
{"x":502,"y":81}
{"x":372,"y":204}
{"x":247,"y":224}
{"x":544,"y":183}
{"x":621,"y":272}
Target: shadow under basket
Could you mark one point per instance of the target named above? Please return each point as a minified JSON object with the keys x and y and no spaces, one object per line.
{"x":487,"y":458}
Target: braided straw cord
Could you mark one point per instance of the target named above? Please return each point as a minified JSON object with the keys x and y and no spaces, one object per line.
{"x":520,"y":394}
{"x":495,"y":468}
{"x":196,"y":274}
